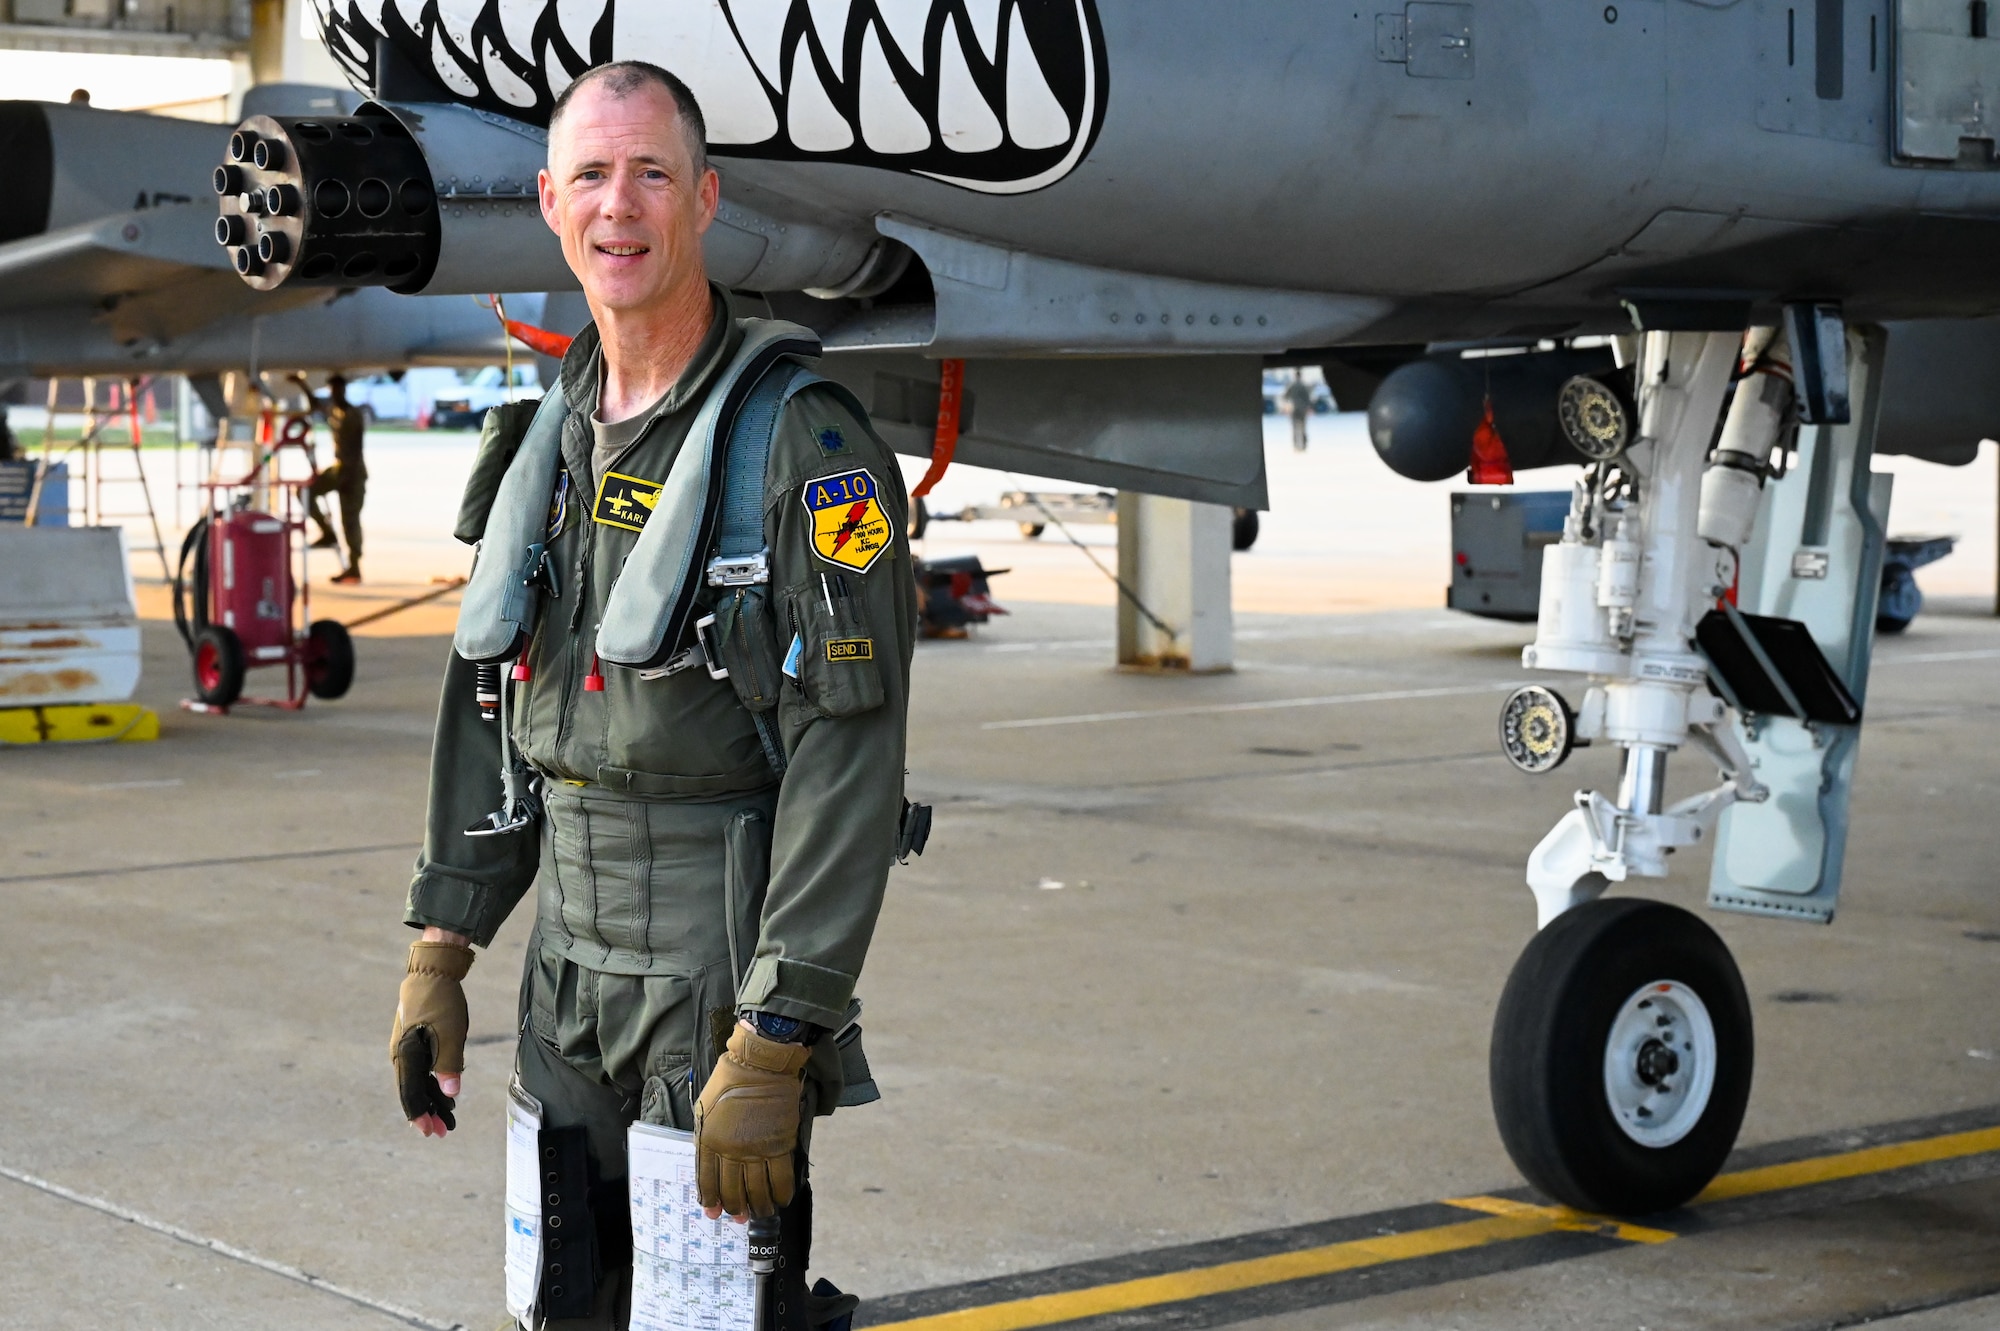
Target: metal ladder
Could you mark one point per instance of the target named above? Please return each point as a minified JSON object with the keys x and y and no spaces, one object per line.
{"x":96,"y":451}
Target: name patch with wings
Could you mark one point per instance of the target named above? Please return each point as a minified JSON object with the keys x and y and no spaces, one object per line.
{"x":849,"y":527}
{"x":625,"y":501}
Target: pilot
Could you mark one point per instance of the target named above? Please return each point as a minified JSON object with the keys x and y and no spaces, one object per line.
{"x":347,"y":477}
{"x":710,"y":853}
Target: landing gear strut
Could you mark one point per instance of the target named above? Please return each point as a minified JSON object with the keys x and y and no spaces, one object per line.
{"x":1622,"y":1050}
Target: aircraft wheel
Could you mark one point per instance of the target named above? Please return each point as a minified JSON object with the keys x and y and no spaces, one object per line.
{"x":1243,"y":529}
{"x":329,"y":659}
{"x":218,"y":665}
{"x":1032,"y":530}
{"x":920,"y":518}
{"x":1621,"y":1057}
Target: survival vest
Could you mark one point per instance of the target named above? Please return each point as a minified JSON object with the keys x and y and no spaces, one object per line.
{"x":707,"y":526}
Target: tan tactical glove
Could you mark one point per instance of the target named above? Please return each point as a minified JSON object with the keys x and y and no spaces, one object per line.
{"x":746,"y":1125}
{"x":429,"y":1034}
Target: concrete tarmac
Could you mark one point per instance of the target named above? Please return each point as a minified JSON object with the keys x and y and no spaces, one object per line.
{"x":1186,"y":958}
{"x":1189,"y":960}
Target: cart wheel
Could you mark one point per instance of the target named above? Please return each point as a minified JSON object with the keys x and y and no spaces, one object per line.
{"x":1243,"y":529}
{"x":1032,"y":530}
{"x":329,"y":659}
{"x":218,"y":665}
{"x":1621,"y":1057}
{"x":1900,"y":600}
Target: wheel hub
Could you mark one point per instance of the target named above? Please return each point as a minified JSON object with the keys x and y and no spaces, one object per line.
{"x":1659,"y":1063}
{"x":1656,"y":1063}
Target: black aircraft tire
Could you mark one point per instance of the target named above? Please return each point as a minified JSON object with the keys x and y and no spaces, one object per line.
{"x":218,"y":665}
{"x":1243,"y":529}
{"x":1613,"y":970}
{"x":330,"y":663}
{"x":920,"y":518}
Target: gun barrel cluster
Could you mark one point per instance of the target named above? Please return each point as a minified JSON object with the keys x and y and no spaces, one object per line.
{"x":327,"y":201}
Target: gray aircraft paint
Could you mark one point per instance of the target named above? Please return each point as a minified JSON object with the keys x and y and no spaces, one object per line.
{"x":366,"y":329}
{"x":122,"y":276}
{"x":1567,"y":153}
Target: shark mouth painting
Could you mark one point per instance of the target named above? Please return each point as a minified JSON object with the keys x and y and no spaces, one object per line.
{"x":1000,"y":96}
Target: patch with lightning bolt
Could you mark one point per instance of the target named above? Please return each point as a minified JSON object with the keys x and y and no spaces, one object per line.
{"x":625,"y":501}
{"x":849,"y":527}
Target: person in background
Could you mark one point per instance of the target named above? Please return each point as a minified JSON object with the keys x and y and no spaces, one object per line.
{"x":1298,"y":402}
{"x":347,"y":477}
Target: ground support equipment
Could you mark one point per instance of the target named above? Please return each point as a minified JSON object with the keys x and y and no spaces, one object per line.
{"x":241,"y":591}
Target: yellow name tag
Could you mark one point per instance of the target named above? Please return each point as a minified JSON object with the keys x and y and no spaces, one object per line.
{"x":850,"y":649}
{"x":625,"y":501}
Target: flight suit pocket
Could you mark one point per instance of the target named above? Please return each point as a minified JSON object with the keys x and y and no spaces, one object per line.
{"x":857,"y":1079}
{"x":837,"y":1074}
{"x":747,"y":856}
{"x":837,"y":669}
{"x":748,"y":643}
{"x":665,"y":1100}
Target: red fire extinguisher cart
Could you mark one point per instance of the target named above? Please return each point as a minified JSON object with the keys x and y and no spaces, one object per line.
{"x":241,"y":599}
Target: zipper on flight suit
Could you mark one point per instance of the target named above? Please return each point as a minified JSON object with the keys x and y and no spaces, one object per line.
{"x":586,"y":536}
{"x":586,"y":539}
{"x":587,"y":543}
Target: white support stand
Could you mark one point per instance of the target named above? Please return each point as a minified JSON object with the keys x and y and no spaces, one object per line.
{"x":1173,"y":557}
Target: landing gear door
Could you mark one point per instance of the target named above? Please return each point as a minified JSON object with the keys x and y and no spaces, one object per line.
{"x":1815,"y":557}
{"x":1945,"y":65}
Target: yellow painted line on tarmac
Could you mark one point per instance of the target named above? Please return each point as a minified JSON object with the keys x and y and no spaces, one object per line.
{"x":1849,"y":1164}
{"x":1178,"y":1286}
{"x":1505,"y":1221}
{"x":1566,"y":1220}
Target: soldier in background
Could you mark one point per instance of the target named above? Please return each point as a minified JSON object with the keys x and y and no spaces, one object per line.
{"x":1298,"y":402}
{"x":347,"y":477}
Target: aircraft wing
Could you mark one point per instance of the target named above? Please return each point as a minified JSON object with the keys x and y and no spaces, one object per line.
{"x":155,"y":273}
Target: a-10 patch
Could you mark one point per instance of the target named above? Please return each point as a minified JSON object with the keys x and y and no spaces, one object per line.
{"x":849,"y":527}
{"x":625,"y":501}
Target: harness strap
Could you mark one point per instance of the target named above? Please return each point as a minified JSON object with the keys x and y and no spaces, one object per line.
{"x":741,"y":555}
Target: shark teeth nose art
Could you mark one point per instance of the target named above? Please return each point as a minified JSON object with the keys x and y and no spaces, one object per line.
{"x":1000,"y":96}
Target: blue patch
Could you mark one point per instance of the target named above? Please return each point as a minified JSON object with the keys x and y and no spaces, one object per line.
{"x":831,"y":440}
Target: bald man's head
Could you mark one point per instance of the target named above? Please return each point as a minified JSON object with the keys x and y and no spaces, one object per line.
{"x":623,"y":78}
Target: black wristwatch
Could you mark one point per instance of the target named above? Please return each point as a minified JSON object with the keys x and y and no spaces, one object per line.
{"x":785,"y":1030}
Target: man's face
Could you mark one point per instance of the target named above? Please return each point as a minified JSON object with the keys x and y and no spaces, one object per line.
{"x":621,"y":191}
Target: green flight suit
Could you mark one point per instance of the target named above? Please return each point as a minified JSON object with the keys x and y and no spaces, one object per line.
{"x":677,"y":876}
{"x":347,"y":477}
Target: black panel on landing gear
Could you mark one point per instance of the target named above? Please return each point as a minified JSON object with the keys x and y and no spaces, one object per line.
{"x":1621,"y":1057}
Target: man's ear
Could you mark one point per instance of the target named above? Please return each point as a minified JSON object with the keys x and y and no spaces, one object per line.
{"x":708,"y":194}
{"x":545,"y":186}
